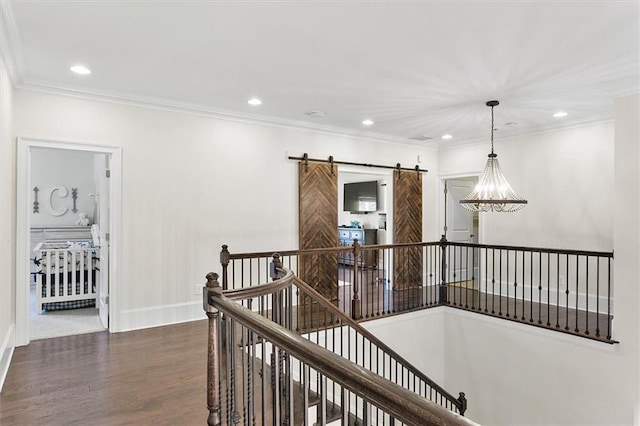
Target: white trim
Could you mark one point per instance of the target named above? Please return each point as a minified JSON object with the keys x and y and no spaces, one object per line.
{"x":6,"y":353}
{"x":538,"y":331}
{"x":440,"y":202}
{"x":10,"y":44}
{"x":206,"y":111}
{"x":23,"y":221}
{"x":450,"y":145}
{"x":500,"y":287}
{"x":161,"y":315}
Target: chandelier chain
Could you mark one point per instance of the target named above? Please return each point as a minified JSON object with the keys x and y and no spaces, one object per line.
{"x":492,"y":127}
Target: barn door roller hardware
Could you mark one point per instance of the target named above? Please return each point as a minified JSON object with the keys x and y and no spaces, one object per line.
{"x":305,"y":158}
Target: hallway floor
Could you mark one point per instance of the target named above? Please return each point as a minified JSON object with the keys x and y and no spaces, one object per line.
{"x":155,"y":376}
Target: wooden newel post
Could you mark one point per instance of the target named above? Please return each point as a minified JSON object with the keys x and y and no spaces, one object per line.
{"x":442,"y":300}
{"x":463,"y":403}
{"x":224,"y":261}
{"x":356,"y":307}
{"x":213,"y":356}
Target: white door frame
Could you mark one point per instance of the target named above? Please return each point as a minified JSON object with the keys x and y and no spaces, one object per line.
{"x":441,"y":203}
{"x":23,"y":224}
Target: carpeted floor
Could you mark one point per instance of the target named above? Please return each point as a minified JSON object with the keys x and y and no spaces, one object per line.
{"x":61,"y":323}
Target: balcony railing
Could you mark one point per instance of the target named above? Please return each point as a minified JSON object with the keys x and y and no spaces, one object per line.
{"x":569,"y":291}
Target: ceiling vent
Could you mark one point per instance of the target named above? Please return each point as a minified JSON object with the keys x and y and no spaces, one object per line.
{"x":422,"y":138}
{"x":314,"y":114}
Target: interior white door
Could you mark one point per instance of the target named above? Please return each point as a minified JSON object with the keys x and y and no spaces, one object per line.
{"x":101,"y":213}
{"x":459,"y":219}
{"x":460,"y":229}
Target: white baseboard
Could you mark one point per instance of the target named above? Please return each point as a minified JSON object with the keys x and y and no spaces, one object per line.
{"x":592,"y":301}
{"x":6,"y":353}
{"x":157,"y":316}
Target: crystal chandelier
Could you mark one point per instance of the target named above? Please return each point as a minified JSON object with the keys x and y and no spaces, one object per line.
{"x":493,"y":193}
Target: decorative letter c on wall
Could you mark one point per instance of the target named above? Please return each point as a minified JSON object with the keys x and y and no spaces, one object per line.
{"x":63,"y":194}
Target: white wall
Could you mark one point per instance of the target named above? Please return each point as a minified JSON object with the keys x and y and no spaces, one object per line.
{"x":51,"y":168}
{"x":627,"y":243}
{"x":567,"y":177}
{"x":426,"y":350}
{"x":517,"y":375}
{"x":192,"y":183}
{"x":7,"y":221}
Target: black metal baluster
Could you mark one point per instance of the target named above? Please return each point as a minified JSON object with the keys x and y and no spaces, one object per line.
{"x":507,"y":284}
{"x":241,"y":273}
{"x":500,"y":284}
{"x":577,"y":291}
{"x":598,"y":297}
{"x":566,"y":315}
{"x":454,"y":281}
{"x":486,"y":279}
{"x":586,"y":325}
{"x":540,"y":287}
{"x":515,"y":284}
{"x":558,"y":290}
{"x":548,"y":289}
{"x":493,"y":280}
{"x":531,"y":286}
{"x":466,"y":278}
{"x":473,"y":278}
{"x":523,"y":284}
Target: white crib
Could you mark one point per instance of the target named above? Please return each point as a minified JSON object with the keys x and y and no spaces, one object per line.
{"x":68,"y":275}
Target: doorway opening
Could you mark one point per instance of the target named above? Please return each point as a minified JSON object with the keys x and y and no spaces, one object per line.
{"x":460,"y":225}
{"x":66,"y":218}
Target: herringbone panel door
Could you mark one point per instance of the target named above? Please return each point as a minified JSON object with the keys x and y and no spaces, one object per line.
{"x":318,"y":226}
{"x":407,"y":211}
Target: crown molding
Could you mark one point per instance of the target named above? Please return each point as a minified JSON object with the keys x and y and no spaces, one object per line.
{"x":205,"y":111}
{"x":10,"y":44}
{"x":485,"y":141}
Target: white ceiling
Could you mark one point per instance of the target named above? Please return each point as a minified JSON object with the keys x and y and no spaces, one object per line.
{"x":414,"y":67}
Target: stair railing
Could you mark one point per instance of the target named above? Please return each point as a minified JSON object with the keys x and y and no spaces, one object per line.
{"x":368,"y":351}
{"x":268,"y":374}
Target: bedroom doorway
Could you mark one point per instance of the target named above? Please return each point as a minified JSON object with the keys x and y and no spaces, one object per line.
{"x":68,"y":215}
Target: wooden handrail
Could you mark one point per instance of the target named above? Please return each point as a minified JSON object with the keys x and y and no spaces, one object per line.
{"x":535,"y":249}
{"x":366,"y":333}
{"x":401,"y":403}
{"x":262,"y":289}
{"x":340,"y":249}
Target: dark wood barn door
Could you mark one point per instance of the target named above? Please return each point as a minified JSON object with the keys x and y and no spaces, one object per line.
{"x":318,"y":226}
{"x":407,"y":213}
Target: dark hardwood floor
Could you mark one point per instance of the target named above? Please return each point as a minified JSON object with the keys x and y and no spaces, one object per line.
{"x":146,"y":377}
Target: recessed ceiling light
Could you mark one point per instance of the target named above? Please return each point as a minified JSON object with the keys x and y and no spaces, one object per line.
{"x":367,"y":122}
{"x":254,"y":101}
{"x":447,"y":136}
{"x":511,"y":123}
{"x":80,"y":69}
{"x":560,"y":114}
